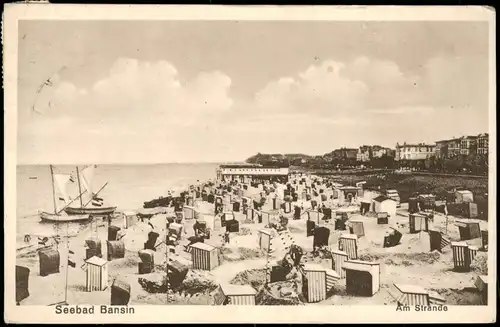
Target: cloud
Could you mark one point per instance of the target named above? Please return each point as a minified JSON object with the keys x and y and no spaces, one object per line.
{"x":138,"y":110}
{"x":319,"y":90}
{"x":150,"y":91}
{"x":342,"y":91}
{"x":144,"y":111}
{"x":367,"y":90}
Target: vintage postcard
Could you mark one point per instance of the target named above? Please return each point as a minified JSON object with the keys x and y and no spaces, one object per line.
{"x":214,"y":164}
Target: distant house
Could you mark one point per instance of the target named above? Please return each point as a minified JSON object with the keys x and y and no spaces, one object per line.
{"x":245,"y":173}
{"x":482,"y":144}
{"x":468,"y":145}
{"x":367,"y":152}
{"x":384,"y":204}
{"x":453,"y":147}
{"x":411,"y":152}
{"x":363,"y":154}
{"x":378,"y":151}
{"x":441,"y":150}
{"x":465,"y":145}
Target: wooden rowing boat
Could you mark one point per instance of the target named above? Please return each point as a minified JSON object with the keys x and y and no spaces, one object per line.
{"x":96,"y":211}
{"x":63,"y":218}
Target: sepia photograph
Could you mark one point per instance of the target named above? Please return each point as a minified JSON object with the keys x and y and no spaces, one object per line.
{"x":244,"y":160}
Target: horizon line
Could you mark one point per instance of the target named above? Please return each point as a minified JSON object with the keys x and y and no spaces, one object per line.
{"x":127,"y":163}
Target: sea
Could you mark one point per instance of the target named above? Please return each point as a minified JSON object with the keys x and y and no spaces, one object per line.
{"x":128,"y":187}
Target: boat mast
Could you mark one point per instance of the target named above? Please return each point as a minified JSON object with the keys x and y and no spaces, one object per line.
{"x":53,"y":189}
{"x":167,"y":284}
{"x":96,"y":194}
{"x":67,"y":265}
{"x":79,"y":186}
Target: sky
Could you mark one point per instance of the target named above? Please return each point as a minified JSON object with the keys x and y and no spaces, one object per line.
{"x":214,"y":91}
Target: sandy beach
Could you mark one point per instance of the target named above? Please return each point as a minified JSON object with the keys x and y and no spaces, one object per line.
{"x":243,"y":262}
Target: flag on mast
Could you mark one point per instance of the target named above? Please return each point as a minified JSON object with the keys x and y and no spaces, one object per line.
{"x":71,"y":262}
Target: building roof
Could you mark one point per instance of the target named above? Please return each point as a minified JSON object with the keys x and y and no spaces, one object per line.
{"x":414,"y":145}
{"x":239,"y":165}
{"x":359,"y":265}
{"x":463,"y":192}
{"x":273,"y":171}
{"x":448,"y":140}
{"x":203,"y":246}
{"x":129,"y":213}
{"x":463,"y":244}
{"x":351,"y":236}
{"x":96,"y":261}
{"x":468,"y":137}
{"x":230,"y":289}
{"x":412,"y":289}
{"x":338,"y":252}
{"x":266,"y":231}
{"x":313,"y":267}
{"x":382,"y":198}
{"x":349,"y":188}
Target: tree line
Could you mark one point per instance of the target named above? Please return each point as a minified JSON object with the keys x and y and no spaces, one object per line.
{"x":473,"y":163}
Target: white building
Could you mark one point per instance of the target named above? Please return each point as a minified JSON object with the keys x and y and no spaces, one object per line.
{"x":419,"y":151}
{"x":245,"y":173}
{"x":363,"y":154}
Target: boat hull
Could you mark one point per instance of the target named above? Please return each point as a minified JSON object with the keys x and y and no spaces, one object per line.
{"x":54,"y":218}
{"x":104,"y":211}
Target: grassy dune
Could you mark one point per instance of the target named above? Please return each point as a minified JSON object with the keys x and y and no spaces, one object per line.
{"x":407,"y":185}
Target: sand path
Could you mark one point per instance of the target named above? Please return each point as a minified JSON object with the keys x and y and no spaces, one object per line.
{"x":226,"y":272}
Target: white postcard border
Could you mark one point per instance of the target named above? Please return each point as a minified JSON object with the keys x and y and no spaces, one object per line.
{"x":205,"y":314}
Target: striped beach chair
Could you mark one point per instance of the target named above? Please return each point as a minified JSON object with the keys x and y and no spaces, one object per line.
{"x":338,"y":260}
{"x":409,"y":294}
{"x":349,"y":244}
{"x":463,"y":254}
